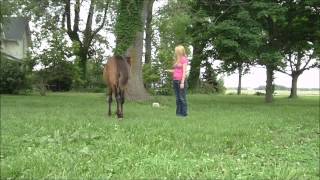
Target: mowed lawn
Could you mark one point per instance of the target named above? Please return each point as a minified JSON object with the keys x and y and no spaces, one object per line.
{"x":69,"y":136}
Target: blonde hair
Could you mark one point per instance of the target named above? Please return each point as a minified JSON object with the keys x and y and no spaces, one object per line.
{"x":179,"y":52}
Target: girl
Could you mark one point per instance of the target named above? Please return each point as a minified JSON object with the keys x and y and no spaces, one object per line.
{"x":179,"y":72}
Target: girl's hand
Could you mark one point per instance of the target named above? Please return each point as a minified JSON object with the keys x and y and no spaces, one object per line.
{"x":181,"y":85}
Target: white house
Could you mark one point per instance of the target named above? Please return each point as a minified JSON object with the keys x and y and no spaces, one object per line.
{"x":15,"y":38}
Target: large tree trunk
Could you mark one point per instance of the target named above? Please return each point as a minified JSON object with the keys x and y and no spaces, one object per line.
{"x":136,"y":90}
{"x":148,"y":40}
{"x":269,"y":84}
{"x":293,"y":93}
{"x":83,"y":58}
{"x":148,"y":31}
{"x":240,"y":79}
{"x":295,"y":75}
{"x":193,"y":80}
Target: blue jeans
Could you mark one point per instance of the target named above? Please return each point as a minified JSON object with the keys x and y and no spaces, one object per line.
{"x":181,"y":100}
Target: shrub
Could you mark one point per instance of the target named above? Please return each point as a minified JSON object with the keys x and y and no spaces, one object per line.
{"x":95,"y":81}
{"x":259,"y":93}
{"x":61,"y":76}
{"x":13,"y":77}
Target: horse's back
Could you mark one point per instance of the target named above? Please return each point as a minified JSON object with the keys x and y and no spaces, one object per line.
{"x":124,"y":71}
{"x":116,"y":71}
{"x":110,"y":72}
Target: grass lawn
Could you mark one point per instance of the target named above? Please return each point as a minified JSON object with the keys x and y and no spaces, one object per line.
{"x":68,"y":136}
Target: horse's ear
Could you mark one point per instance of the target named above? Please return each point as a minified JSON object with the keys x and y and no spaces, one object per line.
{"x":128,"y":60}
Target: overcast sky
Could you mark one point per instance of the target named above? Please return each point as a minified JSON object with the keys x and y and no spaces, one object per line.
{"x":257,"y":77}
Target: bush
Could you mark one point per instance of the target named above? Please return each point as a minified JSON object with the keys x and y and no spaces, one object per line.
{"x":259,"y":93}
{"x":205,"y":87}
{"x":155,"y":81}
{"x":210,"y":82}
{"x":165,"y":91}
{"x":151,"y":74}
{"x":13,"y":77}
{"x":58,"y":77}
{"x":61,"y":76}
{"x":95,"y":81}
{"x":39,"y":81}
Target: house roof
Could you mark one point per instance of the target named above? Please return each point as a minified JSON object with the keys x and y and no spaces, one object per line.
{"x":14,"y":27}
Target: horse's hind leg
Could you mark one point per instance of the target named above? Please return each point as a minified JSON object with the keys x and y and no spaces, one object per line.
{"x":118,"y":98}
{"x":110,"y":101}
{"x":122,"y":100}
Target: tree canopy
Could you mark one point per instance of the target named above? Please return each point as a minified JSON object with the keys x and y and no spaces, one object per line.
{"x":237,"y":34}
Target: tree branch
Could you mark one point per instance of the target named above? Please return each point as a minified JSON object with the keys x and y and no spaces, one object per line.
{"x":76,"y":16}
{"x":283,"y":69}
{"x":103,"y":21}
{"x":71,"y":33}
{"x":63,"y":20}
{"x":67,"y":13}
{"x":305,"y":67}
{"x":280,"y":70}
{"x":290,"y":61}
{"x":88,"y":29}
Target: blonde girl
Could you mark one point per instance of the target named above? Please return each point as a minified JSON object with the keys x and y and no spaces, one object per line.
{"x":179,"y":72}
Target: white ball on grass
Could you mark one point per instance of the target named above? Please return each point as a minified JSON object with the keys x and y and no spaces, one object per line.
{"x":155,"y":104}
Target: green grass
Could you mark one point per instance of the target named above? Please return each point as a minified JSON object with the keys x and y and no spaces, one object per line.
{"x":68,"y":136}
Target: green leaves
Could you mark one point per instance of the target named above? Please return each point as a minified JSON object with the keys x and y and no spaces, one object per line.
{"x":13,"y":77}
{"x":236,"y":39}
{"x":129,"y":22}
{"x":150,"y":73}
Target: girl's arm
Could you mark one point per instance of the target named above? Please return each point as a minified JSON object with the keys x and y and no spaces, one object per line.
{"x":184,"y":72}
{"x":169,"y":70}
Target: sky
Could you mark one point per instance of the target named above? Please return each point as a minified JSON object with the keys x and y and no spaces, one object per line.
{"x":257,"y":77}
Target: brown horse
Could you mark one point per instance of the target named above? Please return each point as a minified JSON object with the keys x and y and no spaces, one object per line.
{"x":116,"y":74}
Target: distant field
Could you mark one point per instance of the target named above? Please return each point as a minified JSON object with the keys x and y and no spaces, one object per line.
{"x":68,"y":136}
{"x":278,"y":92}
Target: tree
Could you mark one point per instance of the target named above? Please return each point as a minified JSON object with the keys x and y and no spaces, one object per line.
{"x":237,"y":40}
{"x":7,"y":8}
{"x":298,"y":63}
{"x":129,"y":41}
{"x":59,"y":12}
{"x":271,"y":17}
{"x":56,"y":73}
{"x":82,"y":46}
{"x":148,"y":43}
{"x":300,"y":39}
{"x":170,"y":29}
{"x":219,"y":31}
{"x":148,"y":31}
{"x":198,"y":31}
{"x":210,"y":82}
